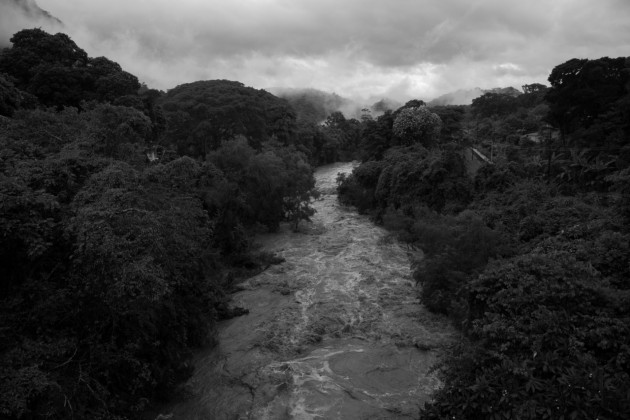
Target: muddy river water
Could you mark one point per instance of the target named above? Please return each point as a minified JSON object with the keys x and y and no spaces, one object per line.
{"x":334,"y":332}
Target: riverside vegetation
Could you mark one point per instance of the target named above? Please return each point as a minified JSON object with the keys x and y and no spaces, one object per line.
{"x":530,"y":258}
{"x":127,"y":216}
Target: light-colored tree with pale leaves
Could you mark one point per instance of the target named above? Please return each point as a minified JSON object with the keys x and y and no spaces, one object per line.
{"x":417,"y":125}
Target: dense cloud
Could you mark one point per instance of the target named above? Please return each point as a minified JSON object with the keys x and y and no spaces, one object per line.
{"x":402,"y":48}
{"x":19,"y":14}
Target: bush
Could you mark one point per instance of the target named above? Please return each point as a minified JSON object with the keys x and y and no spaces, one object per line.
{"x":547,"y":342}
{"x":456,"y":250}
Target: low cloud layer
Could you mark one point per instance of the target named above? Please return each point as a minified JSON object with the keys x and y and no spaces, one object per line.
{"x":19,"y":14}
{"x":356,"y":48}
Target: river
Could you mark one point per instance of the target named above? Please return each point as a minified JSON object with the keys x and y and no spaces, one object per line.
{"x":334,"y":332}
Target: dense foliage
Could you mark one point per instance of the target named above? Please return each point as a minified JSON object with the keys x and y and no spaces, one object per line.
{"x":126,"y":215}
{"x":417,"y":125}
{"x":331,"y":127}
{"x":201,"y":114}
{"x":529,"y":254}
{"x":59,"y":73}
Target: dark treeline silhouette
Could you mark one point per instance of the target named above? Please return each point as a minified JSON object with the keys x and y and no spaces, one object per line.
{"x":528,"y":254}
{"x":126,"y":216}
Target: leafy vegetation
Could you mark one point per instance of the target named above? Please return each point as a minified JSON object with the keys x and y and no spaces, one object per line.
{"x":59,"y":73}
{"x":529,"y":254}
{"x":417,"y":124}
{"x":126,"y":216}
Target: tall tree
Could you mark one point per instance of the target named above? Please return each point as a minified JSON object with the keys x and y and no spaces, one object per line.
{"x":59,"y":73}
{"x":202,"y":114}
{"x":417,"y":125}
{"x":583,"y":90}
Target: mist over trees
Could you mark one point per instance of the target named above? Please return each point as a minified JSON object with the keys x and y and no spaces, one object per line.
{"x":527,"y":252}
{"x":18,"y":14}
{"x":314,"y":106}
{"x":127,"y":216}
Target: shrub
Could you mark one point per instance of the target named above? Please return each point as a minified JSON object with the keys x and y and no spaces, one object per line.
{"x":548,"y":341}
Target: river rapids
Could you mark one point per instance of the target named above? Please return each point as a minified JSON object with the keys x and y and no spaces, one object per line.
{"x":334,"y":332}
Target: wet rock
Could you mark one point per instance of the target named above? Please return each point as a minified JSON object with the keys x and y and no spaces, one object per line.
{"x":240,"y":287}
{"x":424,"y":346}
{"x":284,"y":291}
{"x":232,"y":312}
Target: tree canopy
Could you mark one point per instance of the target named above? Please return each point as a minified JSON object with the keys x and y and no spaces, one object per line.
{"x":59,"y":73}
{"x":527,"y":254}
{"x":117,"y":254}
{"x":127,"y":214}
{"x":202,"y":114}
{"x":584,"y":91}
{"x":417,"y":124}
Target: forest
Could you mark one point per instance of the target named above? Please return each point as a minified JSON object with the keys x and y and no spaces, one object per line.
{"x":128,"y":216}
{"x":528,"y":254}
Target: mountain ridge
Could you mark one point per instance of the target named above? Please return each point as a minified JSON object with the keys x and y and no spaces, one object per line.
{"x":16,"y":15}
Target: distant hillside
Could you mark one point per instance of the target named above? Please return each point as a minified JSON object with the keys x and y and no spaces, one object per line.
{"x":314,"y":106}
{"x":383,"y":105}
{"x":505,"y":91}
{"x":23,"y":14}
{"x":466,"y":96}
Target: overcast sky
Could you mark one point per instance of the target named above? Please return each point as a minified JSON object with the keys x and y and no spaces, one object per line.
{"x":357,"y":48}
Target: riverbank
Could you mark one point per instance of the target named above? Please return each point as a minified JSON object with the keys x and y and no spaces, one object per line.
{"x":336,"y":331}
